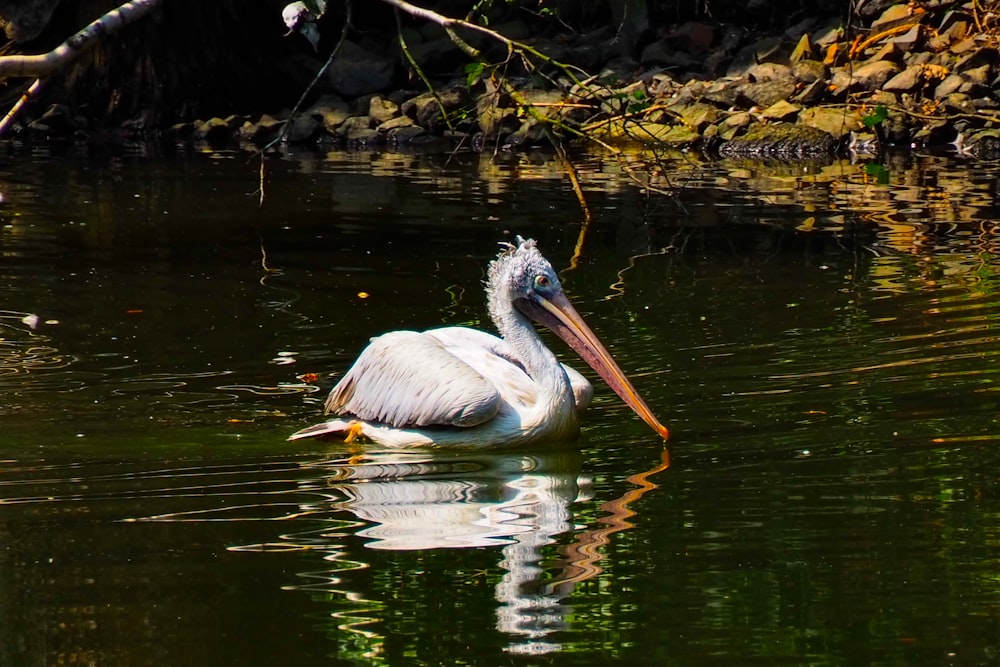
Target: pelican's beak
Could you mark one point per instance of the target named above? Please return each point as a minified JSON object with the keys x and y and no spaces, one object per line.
{"x":559,"y":315}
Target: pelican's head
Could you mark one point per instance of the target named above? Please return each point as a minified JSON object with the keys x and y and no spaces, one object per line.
{"x":519,"y":272}
{"x":521,"y":278}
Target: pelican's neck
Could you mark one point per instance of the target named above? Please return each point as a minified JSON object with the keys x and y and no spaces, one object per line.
{"x":538,"y":360}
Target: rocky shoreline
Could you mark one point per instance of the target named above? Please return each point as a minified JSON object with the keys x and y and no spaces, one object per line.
{"x":902,"y":74}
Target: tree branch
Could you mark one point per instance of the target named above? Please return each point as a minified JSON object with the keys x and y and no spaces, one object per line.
{"x":45,"y":63}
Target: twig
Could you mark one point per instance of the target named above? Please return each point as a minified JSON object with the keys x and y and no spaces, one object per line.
{"x":420,"y":72}
{"x":295,"y":109}
{"x":16,"y":109}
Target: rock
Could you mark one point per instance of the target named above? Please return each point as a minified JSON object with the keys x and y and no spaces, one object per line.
{"x":396,"y":123}
{"x":760,"y":51}
{"x":330,"y":111}
{"x":769,"y":72}
{"x":722,"y":91}
{"x":382,"y":109}
{"x":357,"y":71}
{"x":301,"y":128}
{"x":697,"y":115}
{"x":949,"y":85}
{"x":661,"y":54}
{"x":765,"y":93}
{"x":909,"y":80}
{"x":425,"y":109}
{"x":837,"y":122}
{"x":364,"y":138}
{"x":811,"y":93}
{"x":213,"y":129}
{"x":780,"y":141}
{"x":908,"y":41}
{"x":958,"y":103}
{"x":57,"y":120}
{"x":692,"y":37}
{"x":436,"y":54}
{"x":873,"y":75}
{"x":893,"y":15}
{"x":24,"y":20}
{"x":403,"y":135}
{"x":356,"y":127}
{"x":807,"y":71}
{"x":828,"y":34}
{"x":261,"y":131}
{"x":781,"y":110}
{"x":802,"y":51}
{"x":978,"y":75}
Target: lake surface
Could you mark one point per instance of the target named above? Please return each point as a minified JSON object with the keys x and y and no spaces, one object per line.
{"x":822,"y":341}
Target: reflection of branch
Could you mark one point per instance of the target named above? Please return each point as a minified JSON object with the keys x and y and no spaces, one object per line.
{"x":578,"y":191}
{"x":583,"y":555}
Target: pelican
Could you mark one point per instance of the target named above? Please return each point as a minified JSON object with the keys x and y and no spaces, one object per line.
{"x":462,"y":387}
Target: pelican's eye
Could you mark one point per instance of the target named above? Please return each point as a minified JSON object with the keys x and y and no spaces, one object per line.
{"x":542,"y":281}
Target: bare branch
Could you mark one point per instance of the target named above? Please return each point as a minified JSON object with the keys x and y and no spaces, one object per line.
{"x":45,"y":63}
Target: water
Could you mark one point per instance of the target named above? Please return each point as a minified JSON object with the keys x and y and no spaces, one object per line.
{"x":822,"y":346}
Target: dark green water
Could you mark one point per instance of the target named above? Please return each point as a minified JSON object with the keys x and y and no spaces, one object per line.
{"x":823,"y":348}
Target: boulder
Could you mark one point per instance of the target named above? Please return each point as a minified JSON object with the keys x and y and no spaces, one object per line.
{"x":357,"y":71}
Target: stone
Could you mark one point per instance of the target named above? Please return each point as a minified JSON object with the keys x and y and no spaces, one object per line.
{"x":403,"y":135}
{"x":722,"y":91}
{"x":213,"y":129}
{"x":425,"y":109}
{"x":765,"y":93}
{"x":802,"y":51}
{"x":330,"y":111}
{"x":382,"y":109}
{"x":811,"y":93}
{"x":807,"y":71}
{"x":396,"y":123}
{"x":781,"y":110}
{"x":264,"y":129}
{"x":909,"y":80}
{"x":873,"y":75}
{"x":763,"y":50}
{"x":697,"y":115}
{"x":301,"y":128}
{"x":357,"y":71}
{"x":949,"y":85}
{"x":893,"y":15}
{"x":355,"y":124}
{"x":769,"y":72}
{"x":828,"y":34}
{"x":780,"y":140}
{"x":692,"y":37}
{"x":909,"y":40}
{"x":835,"y":121}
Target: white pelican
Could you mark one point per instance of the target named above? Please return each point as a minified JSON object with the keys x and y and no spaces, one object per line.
{"x":462,"y":387}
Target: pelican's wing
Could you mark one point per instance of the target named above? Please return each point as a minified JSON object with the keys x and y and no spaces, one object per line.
{"x":494,"y":358}
{"x":491,"y":357}
{"x":583,"y":391}
{"x":404,"y":379}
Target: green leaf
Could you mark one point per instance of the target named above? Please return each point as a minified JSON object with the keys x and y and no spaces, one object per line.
{"x":472,"y":73}
{"x":877,"y":117}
